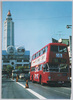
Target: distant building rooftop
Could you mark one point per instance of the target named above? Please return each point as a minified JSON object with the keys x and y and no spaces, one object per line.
{"x":5,"y":53}
{"x":65,"y":41}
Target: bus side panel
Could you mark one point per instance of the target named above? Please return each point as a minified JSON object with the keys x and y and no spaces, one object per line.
{"x":45,"y":78}
{"x":37,"y":75}
{"x":59,"y":77}
{"x":48,"y":54}
{"x":31,"y":74}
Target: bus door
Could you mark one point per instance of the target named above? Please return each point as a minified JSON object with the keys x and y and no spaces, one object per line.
{"x":45,"y":72}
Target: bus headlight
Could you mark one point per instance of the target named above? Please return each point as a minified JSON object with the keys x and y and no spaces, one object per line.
{"x":49,"y":77}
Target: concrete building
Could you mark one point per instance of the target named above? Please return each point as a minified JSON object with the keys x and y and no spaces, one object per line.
{"x":64,"y":41}
{"x":68,"y":42}
{"x":10,"y":54}
{"x":15,"y":58}
{"x":8,"y":36}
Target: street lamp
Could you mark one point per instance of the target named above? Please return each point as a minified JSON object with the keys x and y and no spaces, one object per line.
{"x":69,"y":26}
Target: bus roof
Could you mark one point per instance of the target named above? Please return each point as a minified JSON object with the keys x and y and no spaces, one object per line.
{"x":61,"y":44}
{"x":58,"y":44}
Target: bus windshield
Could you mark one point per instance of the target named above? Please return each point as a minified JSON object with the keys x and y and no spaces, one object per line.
{"x":64,"y":68}
{"x":55,"y":68}
{"x":58,"y":48}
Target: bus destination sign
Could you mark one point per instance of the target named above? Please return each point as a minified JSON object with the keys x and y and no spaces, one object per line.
{"x":58,"y":55}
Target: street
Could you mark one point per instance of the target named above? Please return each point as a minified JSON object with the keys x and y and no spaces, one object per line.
{"x":16,"y":90}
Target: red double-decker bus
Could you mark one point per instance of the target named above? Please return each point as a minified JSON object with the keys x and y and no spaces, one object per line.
{"x":51,"y":64}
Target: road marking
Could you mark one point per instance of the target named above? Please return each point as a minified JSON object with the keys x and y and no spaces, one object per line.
{"x":60,"y":87}
{"x":66,"y":88}
{"x":62,"y":92}
{"x":38,"y":95}
{"x":33,"y":92}
{"x":58,"y":91}
{"x":21,"y":84}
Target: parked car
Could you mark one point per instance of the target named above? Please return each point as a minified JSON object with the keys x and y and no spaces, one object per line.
{"x":21,"y":76}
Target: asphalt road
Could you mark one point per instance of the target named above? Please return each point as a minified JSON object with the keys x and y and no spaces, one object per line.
{"x":16,"y":90}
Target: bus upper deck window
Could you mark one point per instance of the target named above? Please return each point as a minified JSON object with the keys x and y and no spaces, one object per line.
{"x":35,"y":55}
{"x":54,"y":48}
{"x":46,"y":49}
{"x":39,"y":53}
{"x":62,"y":49}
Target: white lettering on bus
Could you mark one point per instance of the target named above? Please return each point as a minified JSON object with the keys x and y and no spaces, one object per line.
{"x":58,"y":55}
{"x":39,"y":60}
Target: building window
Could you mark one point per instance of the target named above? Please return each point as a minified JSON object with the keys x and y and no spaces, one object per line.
{"x":19,"y":60}
{"x":26,"y":60}
{"x":6,"y":61}
{"x":12,"y":63}
{"x":19,"y":64}
{"x":26,"y":66}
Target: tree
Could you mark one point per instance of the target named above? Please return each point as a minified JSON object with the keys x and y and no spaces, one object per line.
{"x":9,"y":69}
{"x":21,"y":68}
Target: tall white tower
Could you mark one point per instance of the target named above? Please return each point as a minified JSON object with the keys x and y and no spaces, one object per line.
{"x":8,"y":36}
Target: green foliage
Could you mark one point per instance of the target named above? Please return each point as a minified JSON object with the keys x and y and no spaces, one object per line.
{"x":9,"y":69}
{"x":21,"y":68}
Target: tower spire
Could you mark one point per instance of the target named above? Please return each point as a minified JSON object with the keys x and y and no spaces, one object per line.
{"x":9,"y":14}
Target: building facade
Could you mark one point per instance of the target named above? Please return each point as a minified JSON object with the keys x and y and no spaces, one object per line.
{"x":16,"y":57}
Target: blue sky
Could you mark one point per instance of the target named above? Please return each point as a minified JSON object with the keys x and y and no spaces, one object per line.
{"x":36,"y":23}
